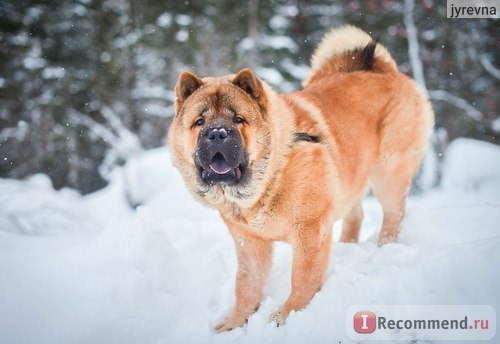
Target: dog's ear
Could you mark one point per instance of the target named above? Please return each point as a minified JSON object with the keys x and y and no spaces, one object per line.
{"x":249,"y":83}
{"x":186,"y":85}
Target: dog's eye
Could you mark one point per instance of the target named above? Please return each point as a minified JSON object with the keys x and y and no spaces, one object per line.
{"x":199,"y":122}
{"x":238,"y":120}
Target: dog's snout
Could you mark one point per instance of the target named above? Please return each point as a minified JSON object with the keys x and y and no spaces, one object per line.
{"x":217,"y":135}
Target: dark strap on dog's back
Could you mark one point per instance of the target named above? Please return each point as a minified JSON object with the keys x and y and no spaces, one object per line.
{"x":306,"y":137}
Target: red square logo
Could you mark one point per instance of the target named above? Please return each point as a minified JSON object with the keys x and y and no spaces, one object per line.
{"x":365,"y":322}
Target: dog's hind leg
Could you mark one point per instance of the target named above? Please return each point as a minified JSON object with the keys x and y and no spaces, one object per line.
{"x":351,"y":224}
{"x":390,"y":183}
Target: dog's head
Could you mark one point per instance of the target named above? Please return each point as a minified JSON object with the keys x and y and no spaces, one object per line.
{"x":220,"y":136}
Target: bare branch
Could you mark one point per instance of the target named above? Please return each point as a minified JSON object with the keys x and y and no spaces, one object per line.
{"x":461,"y":103}
{"x":413,"y":46}
{"x":418,"y":71}
{"x":486,"y":63}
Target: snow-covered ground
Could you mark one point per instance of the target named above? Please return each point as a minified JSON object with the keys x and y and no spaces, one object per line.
{"x":88,"y":269}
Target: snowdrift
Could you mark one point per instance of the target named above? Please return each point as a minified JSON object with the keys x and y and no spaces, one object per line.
{"x":92,"y":270}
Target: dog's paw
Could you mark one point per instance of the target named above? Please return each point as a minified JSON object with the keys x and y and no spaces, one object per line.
{"x":229,"y":324}
{"x":348,"y":239}
{"x":279,"y":317}
{"x":386,"y":238}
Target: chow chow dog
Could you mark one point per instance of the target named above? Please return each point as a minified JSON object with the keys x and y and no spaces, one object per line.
{"x":287,"y":166}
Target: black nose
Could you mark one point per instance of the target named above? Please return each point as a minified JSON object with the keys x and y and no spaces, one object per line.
{"x":217,"y":135}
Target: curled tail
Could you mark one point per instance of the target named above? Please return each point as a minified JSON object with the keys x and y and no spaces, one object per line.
{"x":348,"y":49}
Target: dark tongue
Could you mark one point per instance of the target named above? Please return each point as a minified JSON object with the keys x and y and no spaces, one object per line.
{"x":219,"y":164}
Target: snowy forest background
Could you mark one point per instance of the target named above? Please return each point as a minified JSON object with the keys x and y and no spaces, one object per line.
{"x":86,"y":84}
{"x":86,"y":94}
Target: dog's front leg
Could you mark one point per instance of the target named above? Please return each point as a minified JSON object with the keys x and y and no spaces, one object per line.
{"x":311,"y":248}
{"x":254,"y":262}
